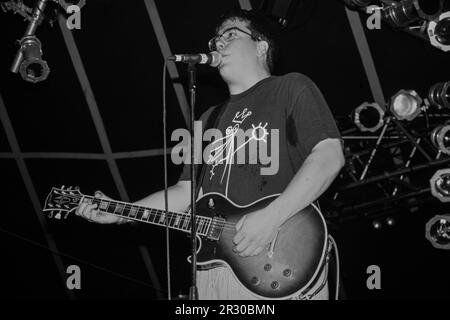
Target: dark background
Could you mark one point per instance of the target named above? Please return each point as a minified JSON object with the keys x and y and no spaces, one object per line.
{"x":124,"y":64}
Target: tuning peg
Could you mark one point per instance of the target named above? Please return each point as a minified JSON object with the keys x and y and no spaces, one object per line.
{"x":58,"y":215}
{"x":50,"y":214}
{"x":62,"y":187}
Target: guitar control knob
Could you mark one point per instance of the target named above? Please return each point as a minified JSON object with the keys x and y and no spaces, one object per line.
{"x":211,"y":203}
{"x":275,"y":285}
{"x":268,"y":267}
{"x":255,"y":281}
{"x":287,"y":272}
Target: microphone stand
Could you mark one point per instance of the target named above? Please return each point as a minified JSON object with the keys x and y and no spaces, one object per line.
{"x":193,"y":292}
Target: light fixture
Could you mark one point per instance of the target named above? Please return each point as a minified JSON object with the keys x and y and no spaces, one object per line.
{"x":376,"y":225}
{"x":402,"y":13}
{"x":439,"y":32}
{"x":437,"y":231}
{"x":440,"y":185}
{"x":440,"y":138}
{"x":439,"y":95}
{"x":28,"y":59}
{"x":390,"y":221}
{"x":368,"y":117}
{"x":32,"y":67}
{"x":405,"y":105}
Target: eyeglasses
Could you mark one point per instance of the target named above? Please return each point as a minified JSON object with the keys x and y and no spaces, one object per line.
{"x":229,"y":35}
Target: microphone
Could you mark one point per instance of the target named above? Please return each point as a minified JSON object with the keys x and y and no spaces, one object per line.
{"x":213,"y":58}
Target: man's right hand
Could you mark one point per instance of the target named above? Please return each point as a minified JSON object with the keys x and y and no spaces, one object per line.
{"x":90,"y":211}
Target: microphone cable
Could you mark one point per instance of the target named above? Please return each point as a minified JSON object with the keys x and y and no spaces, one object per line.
{"x":166,"y":203}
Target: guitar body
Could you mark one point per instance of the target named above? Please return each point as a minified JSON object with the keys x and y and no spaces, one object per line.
{"x":286,"y":268}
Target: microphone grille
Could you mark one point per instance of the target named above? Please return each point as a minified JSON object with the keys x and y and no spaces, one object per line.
{"x":216,"y":58}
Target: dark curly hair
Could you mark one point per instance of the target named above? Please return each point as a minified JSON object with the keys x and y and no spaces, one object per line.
{"x":260,"y":25}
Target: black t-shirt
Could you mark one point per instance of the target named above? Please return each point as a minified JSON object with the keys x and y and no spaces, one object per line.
{"x":266,"y":132}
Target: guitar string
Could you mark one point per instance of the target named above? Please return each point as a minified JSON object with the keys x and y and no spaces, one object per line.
{"x":229,"y":226}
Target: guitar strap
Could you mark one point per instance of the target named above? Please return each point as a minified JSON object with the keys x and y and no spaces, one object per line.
{"x":306,"y":294}
{"x":211,"y":122}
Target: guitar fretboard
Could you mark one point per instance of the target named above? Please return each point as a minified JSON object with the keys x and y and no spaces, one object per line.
{"x":174,"y":220}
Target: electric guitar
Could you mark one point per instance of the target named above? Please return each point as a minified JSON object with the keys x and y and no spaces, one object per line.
{"x":289,"y":265}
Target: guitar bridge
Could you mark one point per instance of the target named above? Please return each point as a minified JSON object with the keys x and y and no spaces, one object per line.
{"x":216,"y":228}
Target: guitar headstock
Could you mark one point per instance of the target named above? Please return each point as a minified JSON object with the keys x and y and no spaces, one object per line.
{"x":61,"y":200}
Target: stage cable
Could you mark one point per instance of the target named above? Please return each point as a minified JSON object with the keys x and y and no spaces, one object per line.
{"x":336,"y":252}
{"x":166,"y":203}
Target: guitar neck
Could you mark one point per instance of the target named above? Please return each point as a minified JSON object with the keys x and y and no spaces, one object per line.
{"x":174,"y":220}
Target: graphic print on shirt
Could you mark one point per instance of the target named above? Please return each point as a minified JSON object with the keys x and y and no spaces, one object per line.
{"x":224,"y":149}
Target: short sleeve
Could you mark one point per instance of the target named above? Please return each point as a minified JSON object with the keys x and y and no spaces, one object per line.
{"x":310,"y":116}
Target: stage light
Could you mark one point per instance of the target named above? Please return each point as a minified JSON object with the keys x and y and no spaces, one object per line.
{"x":402,"y":13}
{"x":405,"y":105}
{"x":440,"y":185}
{"x":440,"y":138}
{"x":390,"y":221}
{"x":439,"y":95}
{"x":437,"y":231}
{"x":369,"y":117}
{"x":32,"y":67}
{"x":376,"y":225}
{"x":439,"y":32}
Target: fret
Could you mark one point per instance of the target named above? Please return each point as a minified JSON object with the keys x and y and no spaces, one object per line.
{"x":182,"y":221}
{"x":133,"y":212}
{"x":186,"y":222}
{"x":139,"y":213}
{"x":189,"y":227}
{"x":125,"y":211}
{"x":146,"y":214}
{"x":103,"y":205}
{"x":107,"y":209}
{"x":162,"y":218}
{"x":117,"y":209}
{"x":199,"y":225}
{"x":172,"y":219}
{"x":152,"y":216}
{"x":167,"y":219}
{"x":205,"y":227}
{"x":177,"y":220}
{"x":200,"y":230}
{"x":111,"y":207}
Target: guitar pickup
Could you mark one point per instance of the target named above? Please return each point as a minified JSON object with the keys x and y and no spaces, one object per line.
{"x":216,"y":228}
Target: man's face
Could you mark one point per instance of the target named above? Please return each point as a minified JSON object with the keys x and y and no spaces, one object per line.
{"x":239,"y":53}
